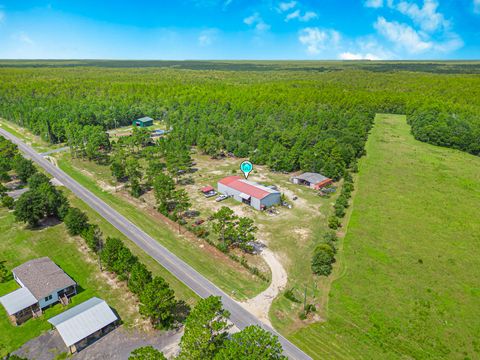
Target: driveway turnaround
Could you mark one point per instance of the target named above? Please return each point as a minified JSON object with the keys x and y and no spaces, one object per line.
{"x":184,"y":272}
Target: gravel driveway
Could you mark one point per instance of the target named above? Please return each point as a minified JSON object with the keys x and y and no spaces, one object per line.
{"x":118,"y":344}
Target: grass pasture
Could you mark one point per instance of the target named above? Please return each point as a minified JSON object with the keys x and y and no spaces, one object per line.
{"x":409,"y":285}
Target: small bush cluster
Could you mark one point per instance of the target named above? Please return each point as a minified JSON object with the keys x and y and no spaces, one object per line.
{"x":341,"y":205}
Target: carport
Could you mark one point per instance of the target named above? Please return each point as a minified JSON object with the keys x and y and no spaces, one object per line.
{"x":84,"y":323}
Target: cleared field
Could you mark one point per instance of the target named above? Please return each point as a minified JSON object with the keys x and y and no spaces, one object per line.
{"x":18,"y":245}
{"x":227,"y":274}
{"x":409,"y":286}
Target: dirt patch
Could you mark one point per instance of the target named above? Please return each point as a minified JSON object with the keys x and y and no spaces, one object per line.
{"x":302,"y":233}
{"x":52,"y":160}
{"x":103,"y":185}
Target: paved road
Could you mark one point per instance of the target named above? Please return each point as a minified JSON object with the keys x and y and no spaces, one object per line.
{"x":184,"y":272}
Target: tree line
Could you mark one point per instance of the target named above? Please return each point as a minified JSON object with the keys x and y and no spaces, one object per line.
{"x":157,"y":299}
{"x":289,"y":120}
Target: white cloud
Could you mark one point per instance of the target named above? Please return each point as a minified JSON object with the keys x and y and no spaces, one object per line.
{"x":451,"y":43}
{"x":316,"y":40}
{"x":367,"y":47}
{"x":374,"y":3}
{"x":426,"y":16}
{"x":402,"y":35}
{"x":415,"y":42}
{"x":476,"y":6}
{"x":292,"y":15}
{"x":227,"y":3}
{"x":207,"y":37}
{"x":23,"y":38}
{"x":309,"y":15}
{"x":285,"y":6}
{"x":251,"y":19}
{"x":256,"y":21}
{"x":357,"y":56}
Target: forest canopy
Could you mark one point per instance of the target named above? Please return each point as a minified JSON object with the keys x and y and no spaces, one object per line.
{"x":288,"y":117}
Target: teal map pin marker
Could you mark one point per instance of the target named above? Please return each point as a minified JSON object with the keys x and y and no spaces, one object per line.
{"x":246,"y":168}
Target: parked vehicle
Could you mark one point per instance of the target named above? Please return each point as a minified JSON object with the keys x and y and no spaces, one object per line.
{"x":221,"y":198}
{"x":198,"y":222}
{"x":210,"y":194}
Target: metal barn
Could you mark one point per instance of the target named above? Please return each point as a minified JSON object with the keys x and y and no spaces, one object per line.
{"x":258,"y":196}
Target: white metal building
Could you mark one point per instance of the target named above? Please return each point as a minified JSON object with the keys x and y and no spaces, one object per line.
{"x":84,"y":323}
{"x":258,"y":196}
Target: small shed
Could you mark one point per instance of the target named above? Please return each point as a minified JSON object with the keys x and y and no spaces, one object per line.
{"x":20,"y":305}
{"x":84,"y":323}
{"x":143,"y":122}
{"x":313,"y":180}
{"x":207,"y":189}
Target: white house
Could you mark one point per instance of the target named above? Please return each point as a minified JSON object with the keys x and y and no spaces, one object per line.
{"x":42,"y":283}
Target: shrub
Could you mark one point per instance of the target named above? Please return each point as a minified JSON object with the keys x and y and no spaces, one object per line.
{"x":330,"y":236}
{"x":334,"y":222}
{"x":323,"y":258}
{"x":290,"y":295}
{"x":76,"y":221}
{"x":339,"y":210}
{"x":8,"y":202}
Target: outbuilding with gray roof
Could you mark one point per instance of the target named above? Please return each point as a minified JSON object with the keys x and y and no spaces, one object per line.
{"x":84,"y":323}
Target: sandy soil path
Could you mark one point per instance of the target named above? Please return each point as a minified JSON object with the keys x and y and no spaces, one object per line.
{"x":260,"y":304}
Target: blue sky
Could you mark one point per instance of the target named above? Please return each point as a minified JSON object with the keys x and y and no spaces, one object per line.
{"x":240,"y":29}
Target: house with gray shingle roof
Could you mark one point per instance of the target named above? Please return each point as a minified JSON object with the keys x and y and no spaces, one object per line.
{"x":43,"y":283}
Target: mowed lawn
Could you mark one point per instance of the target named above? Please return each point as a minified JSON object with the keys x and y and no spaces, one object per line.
{"x":410,"y":288}
{"x":18,"y":245}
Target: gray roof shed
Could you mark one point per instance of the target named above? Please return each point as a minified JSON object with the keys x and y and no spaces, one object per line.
{"x":17,"y":300}
{"x":83,"y":320}
{"x":313,"y":178}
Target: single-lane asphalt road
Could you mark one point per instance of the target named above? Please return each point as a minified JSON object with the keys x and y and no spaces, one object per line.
{"x":184,"y":272}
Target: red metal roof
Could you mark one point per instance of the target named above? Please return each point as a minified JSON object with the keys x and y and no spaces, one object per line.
{"x":229,"y":179}
{"x":207,"y":189}
{"x":237,"y":183}
{"x":323,"y":183}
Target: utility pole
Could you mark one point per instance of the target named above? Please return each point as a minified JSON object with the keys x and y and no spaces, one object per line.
{"x":305,"y":300}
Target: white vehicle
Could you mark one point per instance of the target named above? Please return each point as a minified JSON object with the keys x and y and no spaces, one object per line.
{"x":221,"y":198}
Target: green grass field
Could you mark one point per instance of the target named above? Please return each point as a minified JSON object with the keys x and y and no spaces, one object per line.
{"x":225,"y":273}
{"x":18,"y":245}
{"x":409,"y":288}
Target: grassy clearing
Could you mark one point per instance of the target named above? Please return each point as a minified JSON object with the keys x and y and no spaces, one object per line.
{"x":291,"y":234}
{"x":18,"y":245}
{"x":227,"y":274}
{"x":409,"y":288}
